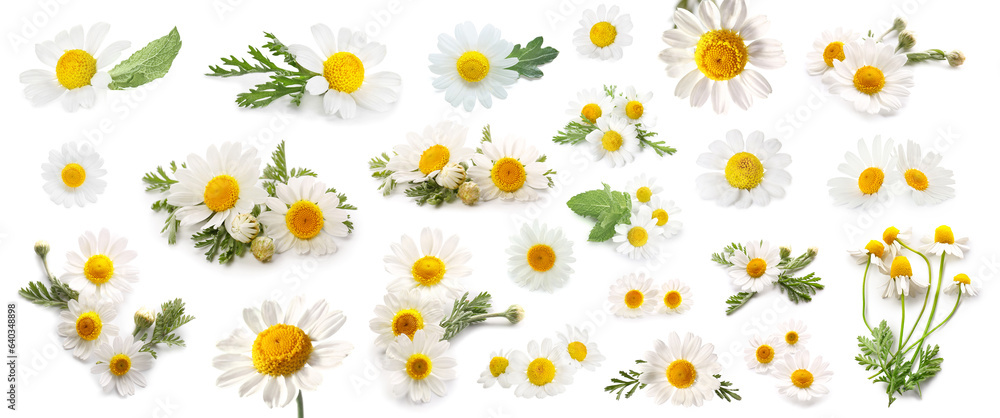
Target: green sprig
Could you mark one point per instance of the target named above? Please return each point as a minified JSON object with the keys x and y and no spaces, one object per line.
{"x":726,"y":391}
{"x":608,"y":207}
{"x":283,"y":81}
{"x":627,"y":384}
{"x":465,"y":312}
{"x":168,"y":320}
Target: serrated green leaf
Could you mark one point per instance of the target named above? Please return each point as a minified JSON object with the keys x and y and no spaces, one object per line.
{"x":532,"y":56}
{"x":147,"y":64}
{"x":591,"y":203}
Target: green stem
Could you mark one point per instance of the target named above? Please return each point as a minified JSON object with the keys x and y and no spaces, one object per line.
{"x":928,"y":334}
{"x":930,"y":317}
{"x":927,"y":294}
{"x":483,"y":317}
{"x":864,"y":295}
{"x":298,"y":402}
{"x":902,"y":321}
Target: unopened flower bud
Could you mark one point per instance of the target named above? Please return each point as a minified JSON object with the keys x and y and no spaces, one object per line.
{"x":144,"y":318}
{"x":42,"y":248}
{"x":469,"y":192}
{"x":514,"y":314}
{"x":244,"y":227}
{"x":907,"y":40}
{"x":451,"y":176}
{"x":898,"y":23}
{"x":813,"y":251}
{"x":955,"y":58}
{"x":262,"y":248}
{"x":785,"y":252}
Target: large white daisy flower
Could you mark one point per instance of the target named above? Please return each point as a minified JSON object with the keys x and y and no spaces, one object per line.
{"x":751,"y":173}
{"x":473,"y":66}
{"x":418,"y":367}
{"x":792,"y":335}
{"x":304,"y":216}
{"x":590,"y":105}
{"x":603,"y":33}
{"x":676,"y":298}
{"x":74,"y":56}
{"x":929,"y":183}
{"x":664,"y":212}
{"x":582,"y":353}
{"x":86,"y":324}
{"x":710,"y":52}
{"x":798,"y":378}
{"x":901,"y":279}
{"x":498,"y":370}
{"x":829,"y":47}
{"x":871,"y":76}
{"x":631,"y":106}
{"x":870,"y":175}
{"x":632,"y":296}
{"x":424,"y":156}
{"x":101,"y":268}
{"x":763,"y":353}
{"x":615,"y":140}
{"x":342,"y":80}
{"x":405,"y":313}
{"x":217,"y":188}
{"x":540,"y":257}
{"x":757,"y":268}
{"x":73,"y":175}
{"x":962,"y":284}
{"x":281,"y":353}
{"x":640,"y":238}
{"x":544,"y":370}
{"x":944,"y":241}
{"x":642,"y":188}
{"x":120,"y":365}
{"x":681,"y":372}
{"x":509,"y":169}
{"x":435,"y":266}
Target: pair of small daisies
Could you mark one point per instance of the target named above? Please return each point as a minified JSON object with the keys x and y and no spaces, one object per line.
{"x":886,"y":254}
{"x":635,"y":295}
{"x":617,"y":118}
{"x":875,"y":171}
{"x":784,"y":356}
{"x":865,"y":72}
{"x":652,"y":220}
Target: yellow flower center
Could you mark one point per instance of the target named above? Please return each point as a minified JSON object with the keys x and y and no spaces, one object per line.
{"x":916,"y":179}
{"x":73,"y":175}
{"x":75,"y":68}
{"x":944,"y":235}
{"x":304,"y":219}
{"x":633,"y":109}
{"x":541,"y":257}
{"x":681,"y":373}
{"x":833,"y":51}
{"x":744,"y":171}
{"x":281,"y":350}
{"x":672,"y":299}
{"x":870,"y":180}
{"x":963,"y":279}
{"x":643,"y":194}
{"x":88,"y":326}
{"x":577,"y":350}
{"x":221,"y":193}
{"x":890,"y":234}
{"x":591,"y":112}
{"x":419,"y":366}
{"x":661,"y":217}
{"x":791,"y":337}
{"x":344,"y":72}
{"x":98,"y":269}
{"x":428,"y":270}
{"x":434,"y":159}
{"x":634,"y":299}
{"x":407,"y":321}
{"x":508,"y":174}
{"x":120,"y":364}
{"x":869,"y":80}
{"x":900,"y":267}
{"x":875,"y":248}
{"x":765,"y":354}
{"x":541,"y":371}
{"x":603,"y":34}
{"x":473,"y":66}
{"x":721,"y":54}
{"x":637,"y":236}
{"x":756,"y":267}
{"x":611,"y":141}
{"x":802,"y":378}
{"x":498,"y":366}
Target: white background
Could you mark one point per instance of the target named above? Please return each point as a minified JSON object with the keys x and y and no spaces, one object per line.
{"x":950,"y":110}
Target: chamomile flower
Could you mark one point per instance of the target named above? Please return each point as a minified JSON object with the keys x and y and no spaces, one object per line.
{"x":101,"y":268}
{"x":642,"y":188}
{"x":681,"y":371}
{"x":582,"y":353}
{"x":86,"y":324}
{"x":217,"y":188}
{"x":944,"y":241}
{"x":928,"y":182}
{"x":343,"y":81}
{"x":603,"y":33}
{"x":473,"y":66}
{"x":829,"y":47}
{"x":120,"y":365}
{"x":418,"y":367}
{"x":792,"y":335}
{"x":304,"y":216}
{"x":757,"y":268}
{"x":73,"y":175}
{"x":614,"y":140}
{"x":435,"y":266}
{"x":710,"y":53}
{"x":424,"y":156}
{"x":282,"y":352}
{"x":639,"y":239}
{"x":869,"y":175}
{"x":871,"y":76}
{"x":633,"y":296}
{"x":901,"y":278}
{"x":763,"y":353}
{"x":590,"y":105}
{"x":750,"y":173}
{"x":800,"y":379}
{"x":544,"y":370}
{"x":509,"y":169}
{"x":962,"y":284}
{"x":498,"y":370}
{"x":664,"y":212}
{"x":631,"y":106}
{"x":75,"y":58}
{"x":540,"y":257}
{"x":405,"y":313}
{"x":891,"y":237}
{"x":676,"y":298}
{"x":875,"y":252}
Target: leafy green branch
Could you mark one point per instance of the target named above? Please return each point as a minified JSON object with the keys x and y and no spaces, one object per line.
{"x":799,"y":289}
{"x":737,"y":301}
{"x":628,"y":384}
{"x":283,"y":81}
{"x":574,"y":133}
{"x":168,"y":320}
{"x":430,"y":192}
{"x":379,"y":172}
{"x":465,"y":313}
{"x":659,"y":146}
{"x":57,"y":294}
{"x":898,"y":375}
{"x":726,"y":391}
{"x":722,"y":257}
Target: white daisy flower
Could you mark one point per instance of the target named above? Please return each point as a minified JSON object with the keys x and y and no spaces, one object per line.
{"x":217,"y":188}
{"x":792,"y":335}
{"x":120,"y":365}
{"x":75,"y":58}
{"x":544,"y":370}
{"x":944,"y":241}
{"x":344,"y":84}
{"x":473,"y":66}
{"x":509,"y":169}
{"x":603,"y":33}
{"x":829,"y":47}
{"x":681,"y":372}
{"x":757,"y":268}
{"x":642,"y":188}
{"x":86,"y":324}
{"x":435,"y":266}
{"x":676,"y":298}
{"x":871,"y":76}
{"x":870,"y":176}
{"x":590,"y":105}
{"x":710,"y":53}
{"x":751,"y":173}
{"x":929,"y":183}
{"x":101,"y":268}
{"x":73,"y":175}
{"x":424,"y":156}
{"x":540,"y":257}
{"x":582,"y":353}
{"x":498,"y":371}
{"x":632,"y":296}
{"x":891,"y":237}
{"x":614,"y":140}
{"x":631,"y":106}
{"x":405,"y":313}
{"x":639,"y":239}
{"x":798,"y":378}
{"x":962,"y":284}
{"x":875,"y":252}
{"x":763,"y":353}
{"x":418,"y":367}
{"x":304,"y":216}
{"x":901,"y":279}
{"x":281,"y":353}
{"x":664,"y":212}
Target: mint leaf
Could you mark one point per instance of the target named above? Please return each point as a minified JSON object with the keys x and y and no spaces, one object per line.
{"x":602,"y":232}
{"x":531,"y":56}
{"x":590,"y":203}
{"x":147,"y":64}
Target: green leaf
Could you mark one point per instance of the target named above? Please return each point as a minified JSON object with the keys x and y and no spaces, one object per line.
{"x":575,"y":132}
{"x":532,"y":56}
{"x":724,"y":392}
{"x":147,"y":64}
{"x":591,"y":203}
{"x":487,"y":135}
{"x":462,"y":314}
{"x":799,"y":289}
{"x":722,"y":258}
{"x":159,"y":180}
{"x":379,"y":171}
{"x":430,"y":192}
{"x":659,"y":146}
{"x":928,"y":366}
{"x":283,"y":82}
{"x":627,"y":385}
{"x":219,"y":243}
{"x":56,"y":296}
{"x":737,"y":301}
{"x":169,"y":319}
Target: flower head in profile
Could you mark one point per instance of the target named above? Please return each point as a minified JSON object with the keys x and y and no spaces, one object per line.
{"x":405,"y":313}
{"x":962,"y":284}
{"x":870,"y":175}
{"x":944,"y":242}
{"x":498,"y":370}
{"x":829,"y":47}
